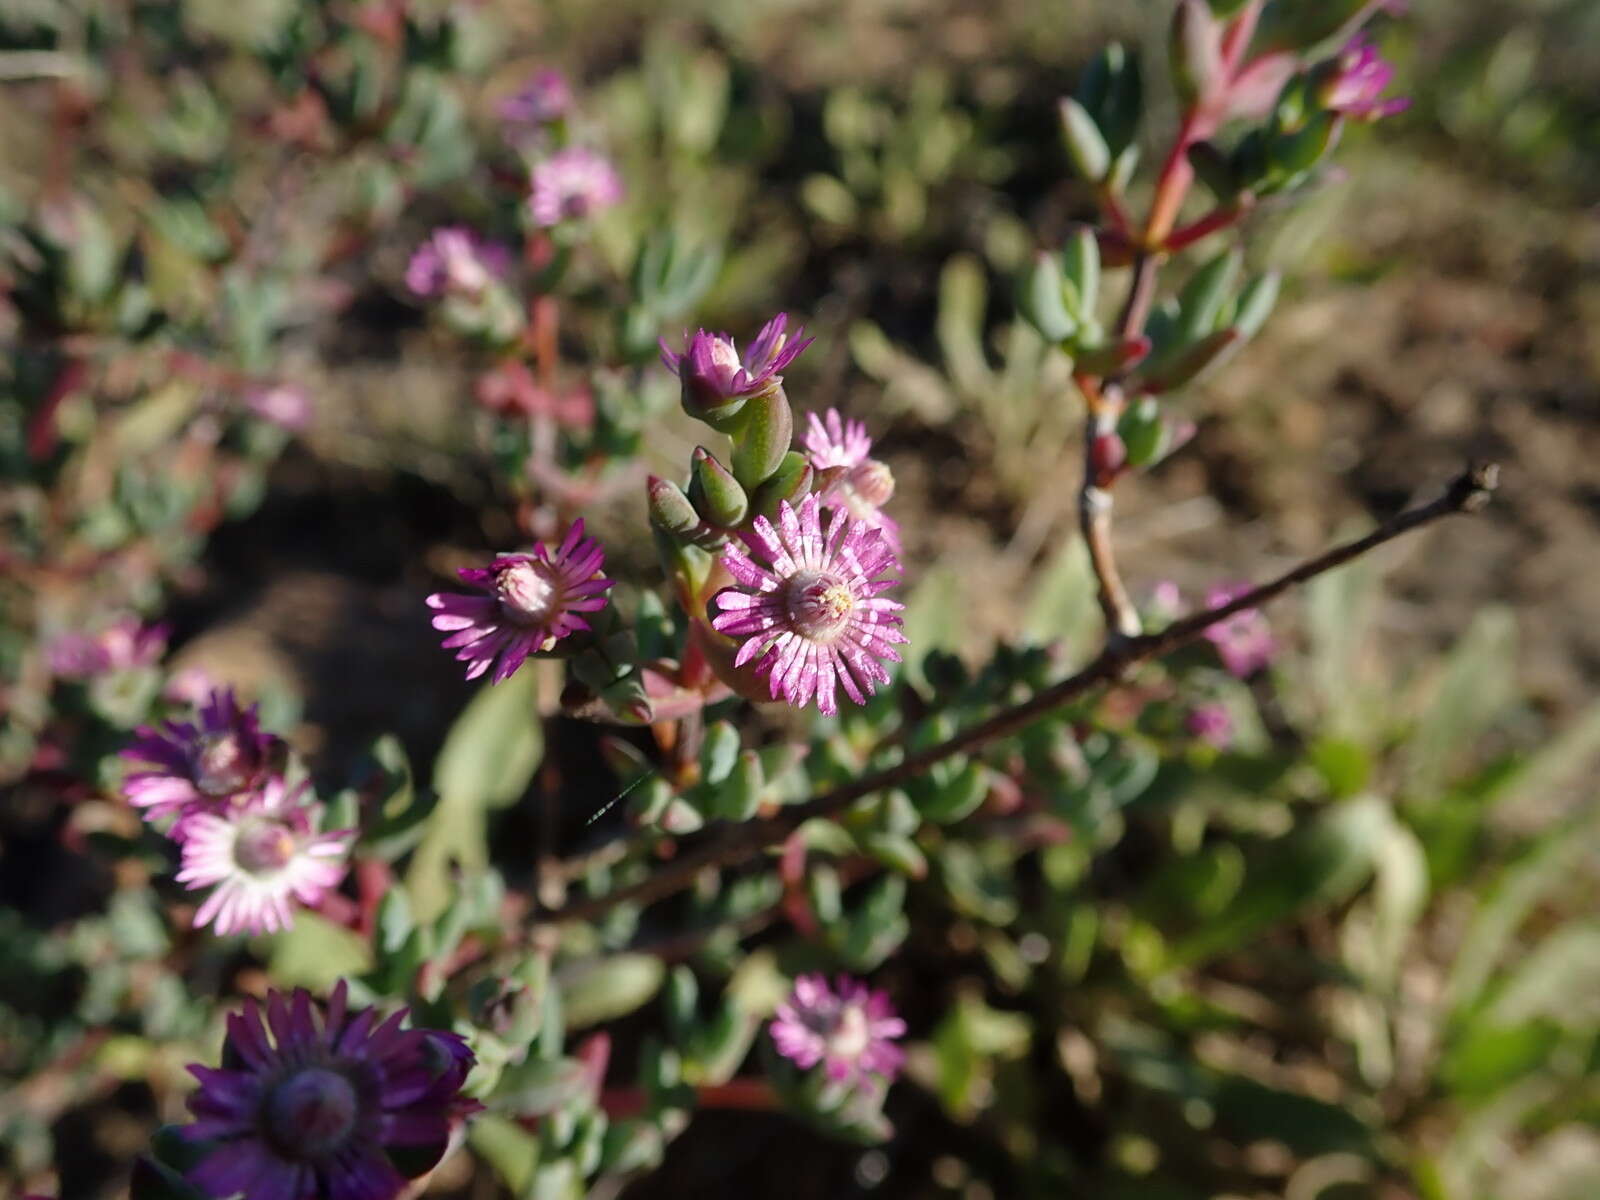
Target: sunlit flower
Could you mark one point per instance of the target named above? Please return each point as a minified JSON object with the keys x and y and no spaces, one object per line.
{"x":1353,"y":83}
{"x":325,"y":1104}
{"x":716,"y":376}
{"x":850,"y":1030}
{"x":848,"y":476}
{"x":534,"y":600}
{"x":1212,"y":724}
{"x":455,"y":260}
{"x":572,"y":184}
{"x":258,"y":856}
{"x":1244,"y":641}
{"x":810,"y":606}
{"x":198,"y":766}
{"x":545,"y":97}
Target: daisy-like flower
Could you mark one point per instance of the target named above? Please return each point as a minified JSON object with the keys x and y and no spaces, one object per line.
{"x":455,"y":260}
{"x":850,"y":1029}
{"x":572,"y":184}
{"x":1353,"y":83}
{"x":810,"y":605}
{"x":199,"y":766}
{"x":258,"y":856}
{"x":717,"y":378}
{"x":534,"y":600}
{"x":1244,"y":641}
{"x":544,"y":98}
{"x":325,"y":1104}
{"x":848,"y":476}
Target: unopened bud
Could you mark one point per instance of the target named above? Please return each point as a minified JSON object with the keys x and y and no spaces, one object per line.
{"x":715,"y":492}
{"x":872,"y":481}
{"x":670,"y":510}
{"x":1108,"y":456}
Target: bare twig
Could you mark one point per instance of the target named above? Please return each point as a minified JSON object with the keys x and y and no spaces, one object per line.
{"x":1467,"y":494}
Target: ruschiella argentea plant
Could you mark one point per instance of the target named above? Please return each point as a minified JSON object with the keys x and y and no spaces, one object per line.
{"x":780,"y":561}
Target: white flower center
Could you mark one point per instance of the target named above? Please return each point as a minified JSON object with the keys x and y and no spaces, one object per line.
{"x":528,"y":593}
{"x":312,"y":1113}
{"x":851,"y":1035}
{"x":263,"y":847}
{"x":819,"y":606}
{"x":725,"y":360}
{"x":221,"y":766}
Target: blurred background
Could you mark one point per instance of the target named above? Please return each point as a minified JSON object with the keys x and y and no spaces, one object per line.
{"x":254,"y":175}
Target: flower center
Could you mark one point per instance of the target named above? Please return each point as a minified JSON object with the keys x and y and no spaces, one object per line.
{"x":264,"y":846}
{"x":312,"y":1113}
{"x":221,"y":764}
{"x":724,"y":361}
{"x":872,"y":481}
{"x":528,"y":593}
{"x":819,"y":606}
{"x":850,"y":1035}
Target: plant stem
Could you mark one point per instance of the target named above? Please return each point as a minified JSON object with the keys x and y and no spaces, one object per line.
{"x":1468,"y":493}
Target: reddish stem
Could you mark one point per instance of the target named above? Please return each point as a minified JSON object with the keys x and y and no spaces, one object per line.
{"x":1216,"y":220}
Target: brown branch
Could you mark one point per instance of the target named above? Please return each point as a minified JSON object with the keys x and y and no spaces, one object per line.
{"x":1468,"y":493}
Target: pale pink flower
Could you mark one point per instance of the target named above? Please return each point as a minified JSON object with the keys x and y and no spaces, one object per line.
{"x":572,"y":184}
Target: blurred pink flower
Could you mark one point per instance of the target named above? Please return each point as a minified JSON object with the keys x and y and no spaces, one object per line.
{"x":1211,"y":723}
{"x":455,"y":260}
{"x":849,"y":477}
{"x":543,"y":98}
{"x":1244,"y":641}
{"x":572,"y":184}
{"x":284,"y":404}
{"x":849,"y":1029}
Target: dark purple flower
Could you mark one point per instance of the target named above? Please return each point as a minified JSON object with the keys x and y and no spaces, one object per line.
{"x":849,"y":1030}
{"x":1353,"y":83}
{"x":1244,"y":641}
{"x":1212,"y":724}
{"x":810,"y":606}
{"x":545,"y":97}
{"x":848,"y":477}
{"x":199,"y":766}
{"x":314,"y":1104}
{"x":533,"y":601}
{"x":258,"y":856}
{"x":572,"y":184}
{"x":455,"y":260}
{"x":717,"y":379}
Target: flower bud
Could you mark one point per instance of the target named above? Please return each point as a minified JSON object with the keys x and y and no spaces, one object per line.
{"x":670,"y":510}
{"x":715,"y":492}
{"x":872,"y":482}
{"x":1108,"y":456}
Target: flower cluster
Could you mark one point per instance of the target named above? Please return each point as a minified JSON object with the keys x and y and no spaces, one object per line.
{"x":849,"y":1028}
{"x":243,"y":831}
{"x":533,"y":600}
{"x":325,"y":1102}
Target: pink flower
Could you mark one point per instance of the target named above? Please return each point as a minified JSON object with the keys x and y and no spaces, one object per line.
{"x":850,"y":1031}
{"x":716,"y":377}
{"x":199,"y":766}
{"x":259,"y":855}
{"x":544,"y":98}
{"x":189,"y":685}
{"x":534,"y":600}
{"x":124,"y":644}
{"x":849,"y":478}
{"x":572,"y":184}
{"x":1212,"y":724}
{"x":455,"y":260}
{"x":1244,"y":641}
{"x":332,"y":1104}
{"x":1353,"y":83}
{"x":283,"y":404}
{"x":810,"y":605}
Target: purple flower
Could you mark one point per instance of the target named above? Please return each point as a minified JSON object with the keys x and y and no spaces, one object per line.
{"x":1212,"y":724}
{"x":1353,"y":83}
{"x":850,"y":1031}
{"x":572,"y":184}
{"x":283,"y":404}
{"x":848,"y":477}
{"x":810,"y":606}
{"x":313,"y":1104}
{"x":717,"y":379}
{"x":124,"y":644}
{"x":533,"y":602}
{"x":259,"y":855}
{"x":1244,"y":641}
{"x":543,"y":98}
{"x":455,"y":260}
{"x":199,"y":766}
